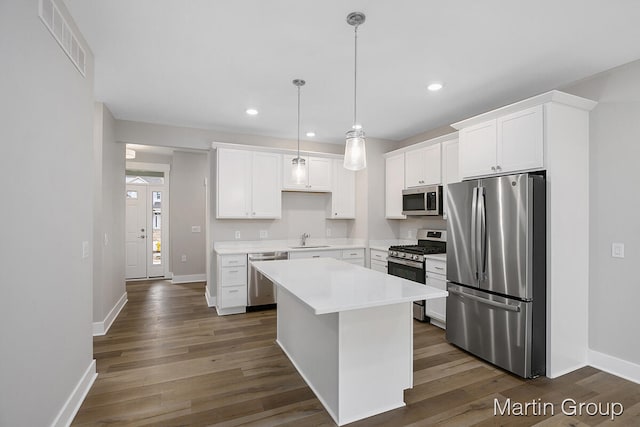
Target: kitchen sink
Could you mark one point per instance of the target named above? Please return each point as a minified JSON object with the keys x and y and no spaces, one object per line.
{"x":309,"y":247}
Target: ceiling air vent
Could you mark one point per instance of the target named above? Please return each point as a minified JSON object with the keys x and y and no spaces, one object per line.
{"x":61,"y":31}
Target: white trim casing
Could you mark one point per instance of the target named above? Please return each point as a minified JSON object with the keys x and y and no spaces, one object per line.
{"x":189,"y":278}
{"x":101,"y":328}
{"x":211,"y":300}
{"x":77,"y":396}
{"x":615,"y":366}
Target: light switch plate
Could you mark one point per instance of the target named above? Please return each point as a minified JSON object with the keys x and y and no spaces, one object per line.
{"x":328,"y":233}
{"x":184,"y":258}
{"x":237,"y":234}
{"x":264,"y":234}
{"x":85,"y":249}
{"x":195,"y":229}
{"x":617,"y":250}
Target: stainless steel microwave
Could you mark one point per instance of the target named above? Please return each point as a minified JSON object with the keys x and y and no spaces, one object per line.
{"x":425,"y":200}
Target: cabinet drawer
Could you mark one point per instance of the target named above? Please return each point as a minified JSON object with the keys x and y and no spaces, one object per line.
{"x":233,"y":260}
{"x":352,"y":253}
{"x":233,"y":296}
{"x":315,"y":254}
{"x":438,"y":267}
{"x":378,"y":255}
{"x":232,"y":276}
{"x":380,"y":266}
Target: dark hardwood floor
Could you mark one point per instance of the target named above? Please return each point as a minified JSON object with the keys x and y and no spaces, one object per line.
{"x":169,"y":360}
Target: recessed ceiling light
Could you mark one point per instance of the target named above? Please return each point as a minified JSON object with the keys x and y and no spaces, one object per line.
{"x":310,"y":134}
{"x":434,"y":87}
{"x":252,"y":111}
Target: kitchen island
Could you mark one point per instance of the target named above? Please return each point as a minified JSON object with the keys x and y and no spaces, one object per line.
{"x":348,"y":331}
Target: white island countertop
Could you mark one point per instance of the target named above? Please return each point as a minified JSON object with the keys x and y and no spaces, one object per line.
{"x":327,"y":285}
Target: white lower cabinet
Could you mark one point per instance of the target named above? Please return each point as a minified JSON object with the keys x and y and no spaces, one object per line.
{"x":231,"y":279}
{"x":378,"y":260}
{"x":436,"y":276}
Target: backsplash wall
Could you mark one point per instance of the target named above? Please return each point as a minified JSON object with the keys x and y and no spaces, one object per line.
{"x":407,"y":228}
{"x":301,"y":213}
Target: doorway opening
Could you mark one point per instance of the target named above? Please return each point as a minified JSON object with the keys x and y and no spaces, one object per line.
{"x":147,"y":221}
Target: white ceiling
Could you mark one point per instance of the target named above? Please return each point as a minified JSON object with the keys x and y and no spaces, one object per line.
{"x":202,"y":63}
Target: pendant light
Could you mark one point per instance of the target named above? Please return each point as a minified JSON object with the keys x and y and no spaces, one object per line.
{"x":355,"y":156}
{"x":298,"y":166}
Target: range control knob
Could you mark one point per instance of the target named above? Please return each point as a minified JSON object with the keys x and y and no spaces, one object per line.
{"x":416,"y":257}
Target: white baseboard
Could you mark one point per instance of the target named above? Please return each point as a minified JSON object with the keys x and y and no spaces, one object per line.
{"x":211,"y":301}
{"x":615,"y":366}
{"x":189,"y":278}
{"x":71,"y":406}
{"x":101,"y":328}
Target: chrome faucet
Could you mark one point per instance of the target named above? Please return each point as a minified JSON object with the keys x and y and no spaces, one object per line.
{"x":303,"y":239}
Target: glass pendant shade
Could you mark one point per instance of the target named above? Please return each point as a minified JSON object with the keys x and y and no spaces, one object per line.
{"x":298,"y":170}
{"x":355,"y":155}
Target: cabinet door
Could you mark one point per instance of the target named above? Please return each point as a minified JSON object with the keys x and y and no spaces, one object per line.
{"x":436,"y":308}
{"x":234,"y":183}
{"x":414,"y":168}
{"x":394,"y":184}
{"x":478,"y":149}
{"x":432,"y":174}
{"x":287,"y":181}
{"x":450,"y":172}
{"x":319,"y":170}
{"x":266,"y":192}
{"x":520,"y":141}
{"x":343,"y":193}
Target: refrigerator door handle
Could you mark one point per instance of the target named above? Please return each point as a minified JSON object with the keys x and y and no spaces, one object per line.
{"x":485,"y":301}
{"x":474,"y":221}
{"x":482,"y":238}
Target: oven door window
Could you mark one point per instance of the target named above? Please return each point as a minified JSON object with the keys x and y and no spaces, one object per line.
{"x":432,"y":201}
{"x":413,"y":202}
{"x":406,"y":272}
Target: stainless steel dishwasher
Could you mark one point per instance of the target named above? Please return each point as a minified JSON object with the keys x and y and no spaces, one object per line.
{"x":261,"y":290}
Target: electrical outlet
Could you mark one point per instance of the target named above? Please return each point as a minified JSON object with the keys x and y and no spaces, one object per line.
{"x":85,"y":249}
{"x":196,"y":229}
{"x":184,"y":258}
{"x":328,"y":232}
{"x":106,"y":239}
{"x":237,"y":234}
{"x":264,"y":234}
{"x":617,"y":250}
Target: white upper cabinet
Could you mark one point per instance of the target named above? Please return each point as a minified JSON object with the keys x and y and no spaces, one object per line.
{"x":514,"y":142}
{"x":521,"y":140}
{"x":450,"y":170}
{"x":248,"y":184}
{"x":394,"y":184}
{"x":342,"y":204}
{"x":266,"y":195}
{"x":318,"y":174}
{"x":423,"y":166}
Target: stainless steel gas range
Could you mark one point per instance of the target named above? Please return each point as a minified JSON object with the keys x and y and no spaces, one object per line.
{"x":408,"y":261}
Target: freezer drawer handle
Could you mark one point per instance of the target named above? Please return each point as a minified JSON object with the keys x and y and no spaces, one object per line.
{"x":486,"y":301}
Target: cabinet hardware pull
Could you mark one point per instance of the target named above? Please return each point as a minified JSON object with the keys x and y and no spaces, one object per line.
{"x":233,"y":291}
{"x":493,"y":168}
{"x":439,"y":268}
{"x":233,"y":262}
{"x":498,"y":167}
{"x":315,"y":256}
{"x":233,"y":271}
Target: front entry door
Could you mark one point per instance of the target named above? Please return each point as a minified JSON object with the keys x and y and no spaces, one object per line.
{"x":136,"y":232}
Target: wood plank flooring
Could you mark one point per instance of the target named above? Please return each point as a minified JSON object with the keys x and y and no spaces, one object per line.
{"x":169,"y":360}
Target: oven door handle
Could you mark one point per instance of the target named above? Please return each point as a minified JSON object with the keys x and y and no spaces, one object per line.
{"x":406,"y":262}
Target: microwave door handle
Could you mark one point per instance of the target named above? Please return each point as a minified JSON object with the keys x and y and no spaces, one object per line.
{"x":482,"y":217}
{"x":474,"y":220}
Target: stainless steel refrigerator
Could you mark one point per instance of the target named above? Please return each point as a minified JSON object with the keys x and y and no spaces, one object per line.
{"x":496,"y":271}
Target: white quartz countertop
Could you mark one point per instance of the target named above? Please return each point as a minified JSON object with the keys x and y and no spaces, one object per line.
{"x":327,"y":285}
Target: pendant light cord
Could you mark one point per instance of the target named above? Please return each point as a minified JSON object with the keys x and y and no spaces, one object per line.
{"x":355,"y":77}
{"x":298,"y":122}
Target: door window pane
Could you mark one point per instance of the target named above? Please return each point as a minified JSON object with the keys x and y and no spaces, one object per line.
{"x":156,"y":221}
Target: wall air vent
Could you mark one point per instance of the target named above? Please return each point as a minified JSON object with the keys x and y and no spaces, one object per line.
{"x":61,"y":31}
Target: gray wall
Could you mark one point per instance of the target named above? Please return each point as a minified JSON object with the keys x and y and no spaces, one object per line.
{"x":46,"y":111}
{"x":187,"y":209}
{"x":109,"y":211}
{"x":614,"y":284}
